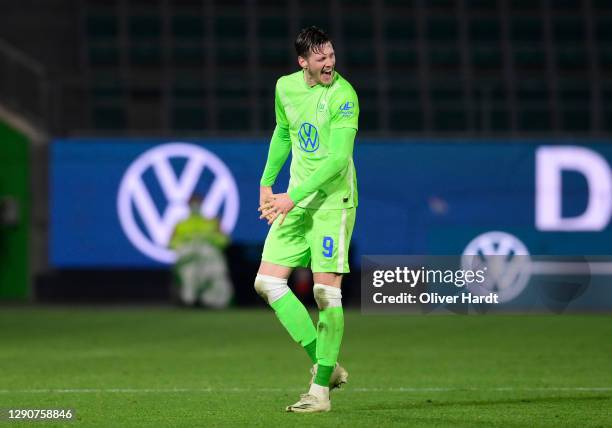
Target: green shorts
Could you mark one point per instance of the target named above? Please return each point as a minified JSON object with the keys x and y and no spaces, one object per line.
{"x":308,"y":237}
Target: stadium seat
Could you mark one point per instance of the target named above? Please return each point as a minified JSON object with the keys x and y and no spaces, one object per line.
{"x":187,"y":27}
{"x":571,"y":58}
{"x":273,"y":27}
{"x":603,"y":29}
{"x":530,"y":58}
{"x":358,"y":27}
{"x":527,"y":29}
{"x":230,"y":27}
{"x":109,"y":118}
{"x":188,"y":118}
{"x":442,"y":29}
{"x":568,"y":29}
{"x":446,"y":58}
{"x":486,"y":57}
{"x":399,"y":29}
{"x":402,"y":57}
{"x":484,"y":29}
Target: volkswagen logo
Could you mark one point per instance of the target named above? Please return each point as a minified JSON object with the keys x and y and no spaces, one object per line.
{"x":309,"y":137}
{"x":506,"y":261}
{"x":149,"y":227}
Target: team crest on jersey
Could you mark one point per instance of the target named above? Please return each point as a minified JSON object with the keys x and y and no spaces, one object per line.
{"x":309,"y":137}
{"x":322,"y":106}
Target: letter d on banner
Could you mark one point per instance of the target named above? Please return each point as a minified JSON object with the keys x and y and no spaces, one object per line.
{"x":551,"y":161}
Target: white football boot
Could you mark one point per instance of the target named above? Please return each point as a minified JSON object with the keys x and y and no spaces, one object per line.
{"x":310,"y":403}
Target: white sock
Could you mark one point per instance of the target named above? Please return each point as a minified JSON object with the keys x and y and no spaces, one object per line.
{"x":321,"y":392}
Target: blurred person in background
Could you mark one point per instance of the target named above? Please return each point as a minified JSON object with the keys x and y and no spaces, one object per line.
{"x":200,"y":266}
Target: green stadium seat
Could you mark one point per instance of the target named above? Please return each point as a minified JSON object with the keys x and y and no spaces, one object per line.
{"x":444,"y":58}
{"x":524,"y":5}
{"x":233,"y":85}
{"x":530,"y":58}
{"x":576,"y":119}
{"x":486,"y":57}
{"x":273,"y":27}
{"x":102,"y":26}
{"x":442,"y":29}
{"x":534,"y":119}
{"x":362,"y":55}
{"x":189,"y":88}
{"x":605,"y":59}
{"x":401,"y":57}
{"x":358,"y":27}
{"x":573,"y":58}
{"x":602,"y":6}
{"x":447,"y":119}
{"x":403,"y":89}
{"x":531,"y":91}
{"x":230,"y":27}
{"x":440,"y":4}
{"x":144,"y":26}
{"x":447,"y":91}
{"x":369,"y":119}
{"x":270,"y":55}
{"x":103,"y":54}
{"x":526,"y":29}
{"x":603,"y":29}
{"x":484,"y":30}
{"x":606,"y":93}
{"x":188,"y":118}
{"x":235,"y":55}
{"x":494,"y":119}
{"x":234,"y":118}
{"x":107,"y":88}
{"x":145,"y":53}
{"x":109,"y":118}
{"x":406,"y":119}
{"x":576,"y":92}
{"x":569,"y":29}
{"x":404,"y":4}
{"x":400,"y":29}
{"x":187,"y":26}
{"x":481,"y":5}
{"x":188,"y":53}
{"x":567,"y":5}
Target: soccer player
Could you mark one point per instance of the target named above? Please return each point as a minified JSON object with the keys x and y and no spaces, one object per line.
{"x":316,"y":120}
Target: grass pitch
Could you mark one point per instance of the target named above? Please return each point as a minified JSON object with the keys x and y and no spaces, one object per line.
{"x":149,"y":367}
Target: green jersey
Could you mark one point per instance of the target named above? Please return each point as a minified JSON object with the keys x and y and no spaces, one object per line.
{"x":310,"y":115}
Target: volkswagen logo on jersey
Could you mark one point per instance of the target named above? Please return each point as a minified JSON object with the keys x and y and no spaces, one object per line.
{"x":153,"y":196}
{"x":309,"y":137}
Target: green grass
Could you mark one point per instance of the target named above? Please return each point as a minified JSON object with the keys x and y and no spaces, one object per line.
{"x":167,"y":367}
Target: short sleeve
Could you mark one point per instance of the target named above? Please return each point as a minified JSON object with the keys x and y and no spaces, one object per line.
{"x":344,"y":109}
{"x":281,"y":117}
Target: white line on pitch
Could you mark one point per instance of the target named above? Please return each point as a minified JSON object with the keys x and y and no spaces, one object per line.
{"x":226,"y":390}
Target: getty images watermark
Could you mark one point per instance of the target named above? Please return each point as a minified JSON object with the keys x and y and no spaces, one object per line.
{"x":478,"y":284}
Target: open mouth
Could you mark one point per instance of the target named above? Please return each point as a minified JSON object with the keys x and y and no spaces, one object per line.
{"x":326,"y":73}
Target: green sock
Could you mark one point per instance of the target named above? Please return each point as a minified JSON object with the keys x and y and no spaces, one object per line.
{"x":295,"y":318}
{"x":311,"y":350}
{"x":329,"y":337}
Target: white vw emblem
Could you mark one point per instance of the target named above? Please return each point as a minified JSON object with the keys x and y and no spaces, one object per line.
{"x":506,"y":260}
{"x":152,"y":234}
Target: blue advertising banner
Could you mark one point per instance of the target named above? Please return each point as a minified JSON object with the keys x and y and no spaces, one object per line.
{"x":114,"y":202}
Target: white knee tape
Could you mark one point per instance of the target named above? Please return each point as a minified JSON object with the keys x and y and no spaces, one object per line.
{"x":270,"y":287}
{"x":327,"y":296}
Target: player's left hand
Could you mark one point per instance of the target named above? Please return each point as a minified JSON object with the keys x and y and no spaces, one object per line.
{"x":278,"y":205}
